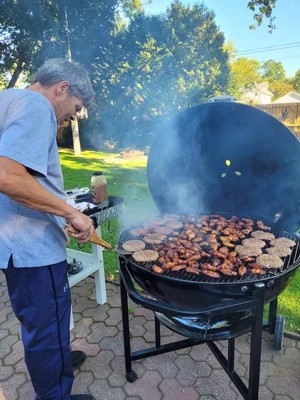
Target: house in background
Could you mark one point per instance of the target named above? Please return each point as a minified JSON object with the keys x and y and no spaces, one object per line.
{"x":291,"y":97}
{"x":257,"y":94}
{"x":287,"y":110}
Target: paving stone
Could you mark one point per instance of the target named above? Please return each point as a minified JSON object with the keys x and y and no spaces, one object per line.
{"x":99,"y":364}
{"x":83,"y":328}
{"x":3,"y":333}
{"x":289,"y":360}
{"x":171,"y":390}
{"x":81,"y":344}
{"x":133,"y":398}
{"x":189,"y":370}
{"x":145,"y":387}
{"x":143,"y":312}
{"x":20,"y":367}
{"x":114,"y":317}
{"x":26,"y":391}
{"x":137,"y":326}
{"x":10,"y":320}
{"x":82,"y":304}
{"x":118,"y":376}
{"x":116,"y":345}
{"x":190,"y":373}
{"x":82,"y":382}
{"x":6,"y":345}
{"x":216,"y":385}
{"x":98,"y":313}
{"x":101,"y":390}
{"x":100,"y":330}
{"x":16,"y":354}
{"x":5,"y":373}
{"x":289,"y":385}
{"x":9,"y":388}
{"x":163,"y":364}
{"x":200,"y":352}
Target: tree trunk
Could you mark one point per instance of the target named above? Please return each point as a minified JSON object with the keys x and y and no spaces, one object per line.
{"x":16,"y":74}
{"x":76,"y":138}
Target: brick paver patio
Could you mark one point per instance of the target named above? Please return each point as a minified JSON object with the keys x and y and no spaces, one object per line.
{"x":188,"y":374}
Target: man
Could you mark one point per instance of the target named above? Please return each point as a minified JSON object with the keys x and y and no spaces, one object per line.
{"x":33,"y":215}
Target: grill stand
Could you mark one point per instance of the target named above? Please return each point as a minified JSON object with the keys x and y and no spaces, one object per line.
{"x":253,"y":303}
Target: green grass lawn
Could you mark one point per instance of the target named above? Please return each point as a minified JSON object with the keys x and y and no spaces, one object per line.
{"x":126,"y":178}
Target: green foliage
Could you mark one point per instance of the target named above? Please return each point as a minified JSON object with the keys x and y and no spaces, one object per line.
{"x":161,"y":64}
{"x":22,"y":25}
{"x":273,"y":71}
{"x":296,"y":81}
{"x":244,"y":73}
{"x":280,"y":88}
{"x":262,"y":9}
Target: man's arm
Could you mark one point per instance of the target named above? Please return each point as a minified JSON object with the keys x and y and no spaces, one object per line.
{"x":19,"y":185}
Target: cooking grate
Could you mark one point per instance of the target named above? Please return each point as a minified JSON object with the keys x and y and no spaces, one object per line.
{"x":291,"y":261}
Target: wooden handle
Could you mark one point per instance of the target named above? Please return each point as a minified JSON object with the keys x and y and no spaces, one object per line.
{"x":96,"y":240}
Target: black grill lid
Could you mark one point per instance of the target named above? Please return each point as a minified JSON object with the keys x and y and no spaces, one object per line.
{"x":227,"y":157}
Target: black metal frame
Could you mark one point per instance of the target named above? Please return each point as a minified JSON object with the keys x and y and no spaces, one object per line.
{"x":253,"y":303}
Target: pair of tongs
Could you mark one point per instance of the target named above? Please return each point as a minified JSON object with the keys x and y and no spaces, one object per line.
{"x":97,"y":240}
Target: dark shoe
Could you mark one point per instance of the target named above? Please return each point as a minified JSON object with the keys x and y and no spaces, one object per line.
{"x":82,"y":397}
{"x":78,"y":358}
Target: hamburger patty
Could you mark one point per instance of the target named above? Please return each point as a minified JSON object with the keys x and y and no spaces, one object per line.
{"x":174,"y":224}
{"x":165,"y":230}
{"x":248,"y":251}
{"x":154,"y":238}
{"x":263,"y":235}
{"x":133,"y":245}
{"x":254,"y":242}
{"x":282,"y":241}
{"x":145,"y":255}
{"x":280,"y":251}
{"x":139,"y":232}
{"x":269,"y":261}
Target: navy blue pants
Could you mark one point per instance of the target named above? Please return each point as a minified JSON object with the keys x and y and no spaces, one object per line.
{"x":41,"y":301}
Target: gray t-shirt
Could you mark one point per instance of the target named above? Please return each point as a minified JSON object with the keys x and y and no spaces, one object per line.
{"x":28,"y":131}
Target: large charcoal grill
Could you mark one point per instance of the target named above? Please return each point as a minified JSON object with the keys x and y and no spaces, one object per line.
{"x":219,"y":158}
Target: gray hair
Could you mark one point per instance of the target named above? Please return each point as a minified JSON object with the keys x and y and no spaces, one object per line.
{"x":58,"y":69}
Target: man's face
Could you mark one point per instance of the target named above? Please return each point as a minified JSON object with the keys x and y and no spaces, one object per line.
{"x":66,"y":105}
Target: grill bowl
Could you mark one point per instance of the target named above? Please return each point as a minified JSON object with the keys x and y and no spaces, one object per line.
{"x":191,"y":291}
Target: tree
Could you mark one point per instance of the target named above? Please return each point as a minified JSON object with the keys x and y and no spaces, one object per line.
{"x":162,"y":64}
{"x":261,"y":9}
{"x":295,"y":81}
{"x":273,"y":71}
{"x":22,"y":23}
{"x":280,"y":88}
{"x":244,"y":73}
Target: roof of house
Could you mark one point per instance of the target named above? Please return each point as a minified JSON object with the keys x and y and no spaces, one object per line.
{"x":291,"y":97}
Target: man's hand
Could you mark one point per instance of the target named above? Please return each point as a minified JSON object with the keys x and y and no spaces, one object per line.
{"x":80,"y":226}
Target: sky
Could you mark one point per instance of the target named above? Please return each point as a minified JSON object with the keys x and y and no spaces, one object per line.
{"x":234,"y":18}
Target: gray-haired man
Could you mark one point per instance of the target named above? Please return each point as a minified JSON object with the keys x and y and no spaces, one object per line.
{"x":33,"y":213}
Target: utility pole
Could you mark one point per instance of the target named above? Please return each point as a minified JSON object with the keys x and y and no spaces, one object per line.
{"x":74,"y":124}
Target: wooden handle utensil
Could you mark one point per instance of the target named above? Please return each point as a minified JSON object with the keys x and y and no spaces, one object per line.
{"x":96,"y":240}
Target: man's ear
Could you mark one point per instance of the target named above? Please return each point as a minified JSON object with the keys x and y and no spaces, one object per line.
{"x":62,"y":87}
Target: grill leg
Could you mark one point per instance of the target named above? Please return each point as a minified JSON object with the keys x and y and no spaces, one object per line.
{"x":256,"y":343}
{"x":272,"y":315}
{"x":157,"y":333}
{"x":231,"y":347}
{"x":130,"y":374}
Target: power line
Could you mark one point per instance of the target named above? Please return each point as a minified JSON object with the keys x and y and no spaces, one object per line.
{"x":270,"y":48}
